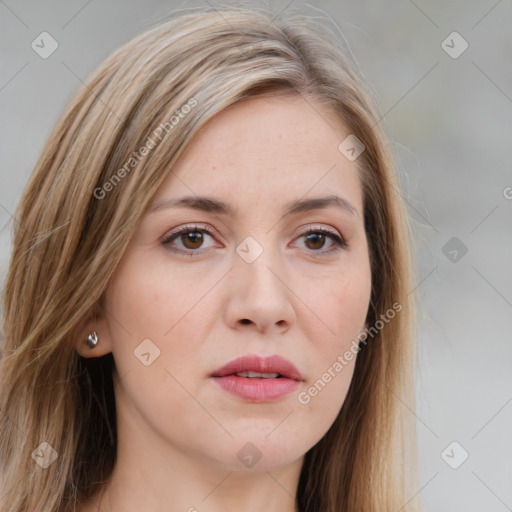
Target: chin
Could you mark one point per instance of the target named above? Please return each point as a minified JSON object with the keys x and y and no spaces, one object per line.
{"x":258,"y":453}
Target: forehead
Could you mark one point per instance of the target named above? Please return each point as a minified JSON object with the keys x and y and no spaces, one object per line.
{"x":269,"y":150}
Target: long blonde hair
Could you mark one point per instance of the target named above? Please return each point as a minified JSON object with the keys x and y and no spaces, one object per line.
{"x":72,"y":229}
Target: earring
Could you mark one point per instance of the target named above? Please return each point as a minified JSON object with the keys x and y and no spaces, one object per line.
{"x":92,"y":339}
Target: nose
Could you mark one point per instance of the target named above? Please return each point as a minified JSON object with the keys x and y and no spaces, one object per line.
{"x":259,"y":296}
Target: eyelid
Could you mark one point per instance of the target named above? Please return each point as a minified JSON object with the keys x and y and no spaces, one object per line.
{"x":210,"y":229}
{"x":320,"y":227}
{"x":199,"y":226}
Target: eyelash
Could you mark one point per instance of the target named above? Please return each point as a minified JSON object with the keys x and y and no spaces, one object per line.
{"x":339,"y":242}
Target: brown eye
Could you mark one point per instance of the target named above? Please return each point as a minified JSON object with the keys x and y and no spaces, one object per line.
{"x":192,"y":239}
{"x":316,"y":241}
{"x":188,"y":240}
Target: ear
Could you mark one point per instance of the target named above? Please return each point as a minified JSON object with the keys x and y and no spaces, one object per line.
{"x":96,"y":322}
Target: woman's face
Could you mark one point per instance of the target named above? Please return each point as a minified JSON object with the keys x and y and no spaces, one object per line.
{"x":244,"y":278}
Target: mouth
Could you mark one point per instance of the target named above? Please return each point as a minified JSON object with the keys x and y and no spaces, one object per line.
{"x":257,"y":379}
{"x":253,"y":366}
{"x":258,"y":375}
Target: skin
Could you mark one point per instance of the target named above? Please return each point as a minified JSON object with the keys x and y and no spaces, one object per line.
{"x":179,"y":432}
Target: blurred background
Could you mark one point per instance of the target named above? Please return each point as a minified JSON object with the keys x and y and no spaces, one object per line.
{"x":442,"y":72}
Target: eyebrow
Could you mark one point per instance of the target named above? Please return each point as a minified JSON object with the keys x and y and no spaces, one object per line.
{"x":212,"y":205}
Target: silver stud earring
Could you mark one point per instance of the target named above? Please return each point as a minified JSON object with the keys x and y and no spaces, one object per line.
{"x":92,"y":339}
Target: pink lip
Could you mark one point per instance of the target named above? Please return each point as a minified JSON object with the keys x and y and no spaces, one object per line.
{"x":258,"y":390}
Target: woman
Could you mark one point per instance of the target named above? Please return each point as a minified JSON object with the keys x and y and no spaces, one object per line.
{"x":207,"y":306}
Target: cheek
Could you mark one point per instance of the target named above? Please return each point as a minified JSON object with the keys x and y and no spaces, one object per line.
{"x":157,"y":316}
{"x":337,"y":311}
{"x":337,"y":306}
{"x":153,"y":302}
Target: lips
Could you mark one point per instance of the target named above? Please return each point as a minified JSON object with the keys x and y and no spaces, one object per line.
{"x":254,"y":363}
{"x":257,"y":379}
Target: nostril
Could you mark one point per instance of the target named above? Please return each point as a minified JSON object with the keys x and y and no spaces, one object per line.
{"x":246,"y":321}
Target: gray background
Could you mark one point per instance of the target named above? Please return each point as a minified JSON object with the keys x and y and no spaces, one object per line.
{"x":450,"y":122}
